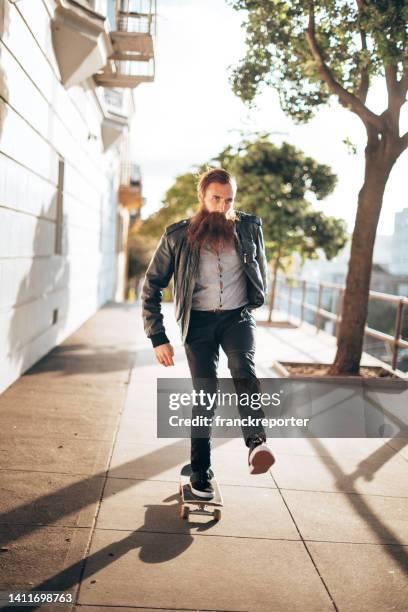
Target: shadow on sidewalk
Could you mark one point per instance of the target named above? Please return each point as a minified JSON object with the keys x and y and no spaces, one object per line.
{"x":364,"y":470}
{"x":143,"y":539}
{"x":73,"y":498}
{"x":81,"y":358}
{"x":79,"y":495}
{"x":152,"y":551}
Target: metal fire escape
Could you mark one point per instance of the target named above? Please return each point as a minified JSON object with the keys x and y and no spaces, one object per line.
{"x":132,"y":33}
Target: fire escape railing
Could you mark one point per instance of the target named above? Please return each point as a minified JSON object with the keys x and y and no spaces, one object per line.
{"x":132,"y":61}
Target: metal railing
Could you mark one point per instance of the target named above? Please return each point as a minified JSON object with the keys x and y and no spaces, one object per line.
{"x":132,"y":30}
{"x":136,"y":16}
{"x":293,"y":284}
{"x":135,"y":57}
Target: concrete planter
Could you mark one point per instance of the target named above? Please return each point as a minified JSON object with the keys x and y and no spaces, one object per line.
{"x":379,"y":401}
{"x":384,"y":376}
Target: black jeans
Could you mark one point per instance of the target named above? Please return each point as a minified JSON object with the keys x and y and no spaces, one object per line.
{"x":235,"y":331}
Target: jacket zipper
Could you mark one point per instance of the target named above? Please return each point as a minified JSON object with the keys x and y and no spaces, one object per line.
{"x":195,"y":258}
{"x":244,"y":253}
{"x":240,"y":247}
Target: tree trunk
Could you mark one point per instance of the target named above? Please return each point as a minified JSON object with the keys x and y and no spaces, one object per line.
{"x":380,"y":157}
{"x":275,"y":269}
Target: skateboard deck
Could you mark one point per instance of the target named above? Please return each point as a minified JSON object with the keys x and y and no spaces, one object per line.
{"x":192,"y":504}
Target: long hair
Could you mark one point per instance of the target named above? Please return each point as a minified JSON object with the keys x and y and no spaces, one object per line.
{"x":205,"y":227}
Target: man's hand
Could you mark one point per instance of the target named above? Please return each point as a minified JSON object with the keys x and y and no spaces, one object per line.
{"x":164,"y":354}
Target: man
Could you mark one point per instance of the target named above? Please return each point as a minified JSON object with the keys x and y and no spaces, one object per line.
{"x":218,"y":260}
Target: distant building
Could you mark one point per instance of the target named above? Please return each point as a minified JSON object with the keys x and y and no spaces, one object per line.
{"x":68,"y":69}
{"x":335,"y":270}
{"x":382,"y":251}
{"x":321,"y":269}
{"x":399,"y":250}
{"x":385,"y":282}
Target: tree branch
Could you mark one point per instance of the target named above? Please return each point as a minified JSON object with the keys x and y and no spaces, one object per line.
{"x":394,"y":96}
{"x":364,"y":85}
{"x":364,"y":74}
{"x":391,"y":78}
{"x":404,"y":142}
{"x":403,"y":84}
{"x":346,"y":98}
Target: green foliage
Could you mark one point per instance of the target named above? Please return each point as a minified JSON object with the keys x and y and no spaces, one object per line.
{"x":179,"y":201}
{"x":275,"y":182}
{"x":278,"y":54}
{"x":351,"y":147}
{"x":140,"y":250}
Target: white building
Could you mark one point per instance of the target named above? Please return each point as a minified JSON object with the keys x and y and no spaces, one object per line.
{"x":66,"y":99}
{"x":399,"y":261}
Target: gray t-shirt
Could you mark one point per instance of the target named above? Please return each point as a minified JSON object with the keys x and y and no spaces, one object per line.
{"x":221,"y":282}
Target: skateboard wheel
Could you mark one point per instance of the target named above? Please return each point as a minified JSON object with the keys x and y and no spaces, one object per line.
{"x":217,"y":514}
{"x":184,"y":512}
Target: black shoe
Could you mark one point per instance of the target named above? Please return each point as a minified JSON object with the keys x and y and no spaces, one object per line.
{"x":260,"y":457}
{"x":200,"y":484}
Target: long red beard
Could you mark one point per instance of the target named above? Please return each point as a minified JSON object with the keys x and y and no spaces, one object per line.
{"x":210,"y":229}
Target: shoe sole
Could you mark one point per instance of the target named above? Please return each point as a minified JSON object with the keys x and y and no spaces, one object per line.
{"x":200,"y":494}
{"x":261,"y":462}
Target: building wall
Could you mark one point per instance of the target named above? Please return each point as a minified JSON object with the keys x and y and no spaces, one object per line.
{"x":47,"y":290}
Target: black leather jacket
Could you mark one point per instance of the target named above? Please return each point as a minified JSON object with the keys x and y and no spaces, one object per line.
{"x":174,"y":256}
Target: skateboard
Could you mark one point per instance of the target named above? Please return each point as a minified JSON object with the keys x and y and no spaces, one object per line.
{"x":189,"y":501}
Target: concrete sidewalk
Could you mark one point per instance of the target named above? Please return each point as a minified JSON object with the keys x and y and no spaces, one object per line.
{"x":89,"y":494}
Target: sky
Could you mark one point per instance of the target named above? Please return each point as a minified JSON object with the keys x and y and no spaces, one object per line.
{"x":189,"y":113}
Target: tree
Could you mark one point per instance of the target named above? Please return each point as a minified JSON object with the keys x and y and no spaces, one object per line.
{"x":274,"y":182}
{"x":179,"y":201}
{"x":312,"y":50}
{"x":140,"y":251}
